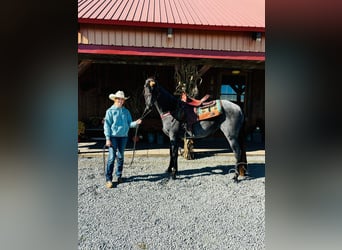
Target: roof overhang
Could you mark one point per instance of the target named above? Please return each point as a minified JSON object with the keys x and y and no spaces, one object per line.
{"x":169,"y":25}
{"x":170,"y":52}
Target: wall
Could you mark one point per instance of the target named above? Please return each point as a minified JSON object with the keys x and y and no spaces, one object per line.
{"x":185,"y":39}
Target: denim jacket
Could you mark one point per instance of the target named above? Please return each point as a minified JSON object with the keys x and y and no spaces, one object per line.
{"x":117,"y":122}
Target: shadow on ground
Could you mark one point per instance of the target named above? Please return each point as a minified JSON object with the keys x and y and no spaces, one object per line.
{"x":255,"y":170}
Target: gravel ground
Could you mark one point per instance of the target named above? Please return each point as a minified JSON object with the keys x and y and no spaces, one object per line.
{"x":202,"y":209}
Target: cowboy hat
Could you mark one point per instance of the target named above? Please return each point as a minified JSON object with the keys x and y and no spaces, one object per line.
{"x":118,"y":94}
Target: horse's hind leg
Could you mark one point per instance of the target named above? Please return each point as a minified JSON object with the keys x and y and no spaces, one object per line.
{"x":233,"y":142}
{"x":240,"y":168}
{"x":233,"y":131}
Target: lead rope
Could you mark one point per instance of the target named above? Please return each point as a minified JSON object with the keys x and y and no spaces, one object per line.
{"x":134,"y":144}
{"x":136,"y":133}
{"x":104,"y":159}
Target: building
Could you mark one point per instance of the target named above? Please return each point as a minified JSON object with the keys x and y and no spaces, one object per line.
{"x":122,"y":42}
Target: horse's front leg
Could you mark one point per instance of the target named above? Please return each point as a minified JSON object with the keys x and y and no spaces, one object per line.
{"x":173,"y":166}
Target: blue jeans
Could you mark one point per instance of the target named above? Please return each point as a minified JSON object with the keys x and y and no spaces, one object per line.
{"x":118,"y":145}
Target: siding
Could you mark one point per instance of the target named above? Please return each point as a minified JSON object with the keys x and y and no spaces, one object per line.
{"x":182,"y":39}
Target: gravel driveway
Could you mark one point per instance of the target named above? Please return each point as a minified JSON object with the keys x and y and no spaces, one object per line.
{"x":202,"y":209}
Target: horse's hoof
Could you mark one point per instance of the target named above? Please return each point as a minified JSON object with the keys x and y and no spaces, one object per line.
{"x":242,"y":169}
{"x":235,"y":179}
{"x":241,"y":178}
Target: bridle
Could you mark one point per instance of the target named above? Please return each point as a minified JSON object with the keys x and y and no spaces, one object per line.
{"x":153,"y":97}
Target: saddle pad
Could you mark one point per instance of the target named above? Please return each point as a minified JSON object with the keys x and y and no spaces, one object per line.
{"x":209,"y":111}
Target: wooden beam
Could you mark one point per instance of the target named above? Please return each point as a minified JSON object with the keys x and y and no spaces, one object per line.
{"x":83,"y":66}
{"x":203,"y":70}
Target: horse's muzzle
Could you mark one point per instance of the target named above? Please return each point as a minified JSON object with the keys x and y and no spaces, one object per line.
{"x":148,"y":108}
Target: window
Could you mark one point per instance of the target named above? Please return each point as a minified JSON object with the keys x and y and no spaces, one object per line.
{"x":233,"y":88}
{"x":228,"y":93}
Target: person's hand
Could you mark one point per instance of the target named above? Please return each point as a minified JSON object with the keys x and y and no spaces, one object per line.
{"x":138,"y":121}
{"x":108,"y":143}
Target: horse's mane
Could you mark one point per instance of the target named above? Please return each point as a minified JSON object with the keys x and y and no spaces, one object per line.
{"x":166,"y":100}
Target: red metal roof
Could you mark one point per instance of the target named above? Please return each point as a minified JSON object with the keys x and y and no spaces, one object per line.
{"x":243,"y":15}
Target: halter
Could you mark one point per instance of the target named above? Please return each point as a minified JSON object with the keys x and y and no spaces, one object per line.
{"x":153,"y":97}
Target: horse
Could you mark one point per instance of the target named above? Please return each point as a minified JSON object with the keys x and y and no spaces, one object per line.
{"x":230,"y":122}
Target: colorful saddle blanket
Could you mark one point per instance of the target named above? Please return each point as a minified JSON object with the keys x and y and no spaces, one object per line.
{"x":208,"y":110}
{"x":201,"y":111}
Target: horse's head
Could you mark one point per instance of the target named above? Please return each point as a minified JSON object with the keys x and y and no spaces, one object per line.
{"x":149,"y":90}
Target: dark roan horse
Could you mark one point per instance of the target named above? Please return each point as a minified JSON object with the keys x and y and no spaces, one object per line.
{"x":230,"y":122}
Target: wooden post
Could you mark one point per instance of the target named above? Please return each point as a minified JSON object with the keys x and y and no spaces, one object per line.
{"x":188,"y":152}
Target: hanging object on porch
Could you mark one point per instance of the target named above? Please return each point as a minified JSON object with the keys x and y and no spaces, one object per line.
{"x":188,"y":78}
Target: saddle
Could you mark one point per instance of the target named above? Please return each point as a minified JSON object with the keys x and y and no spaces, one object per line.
{"x":198,"y":110}
{"x":192,"y":101}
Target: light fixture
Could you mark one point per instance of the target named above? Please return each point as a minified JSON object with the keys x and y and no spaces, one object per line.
{"x":235,"y":72}
{"x":256,"y":36}
{"x":169,"y":33}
